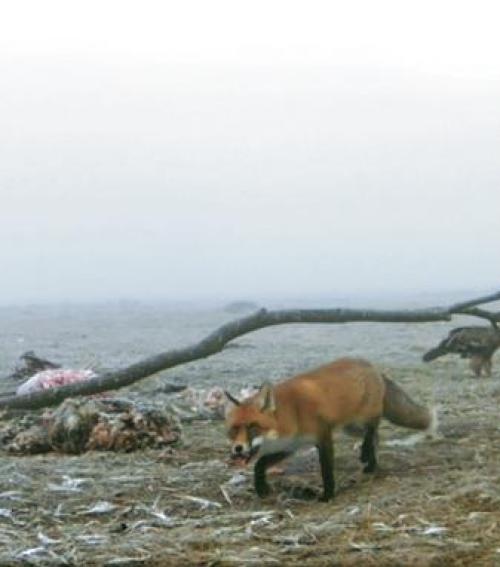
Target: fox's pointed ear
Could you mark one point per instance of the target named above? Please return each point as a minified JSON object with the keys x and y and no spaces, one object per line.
{"x":232,"y":402}
{"x":232,"y":399}
{"x":265,"y":398}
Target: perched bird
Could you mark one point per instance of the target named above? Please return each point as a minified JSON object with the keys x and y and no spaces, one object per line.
{"x":32,"y":364}
{"x":476,"y":343}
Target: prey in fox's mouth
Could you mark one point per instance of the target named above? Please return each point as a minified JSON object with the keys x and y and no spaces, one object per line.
{"x":246,"y":442}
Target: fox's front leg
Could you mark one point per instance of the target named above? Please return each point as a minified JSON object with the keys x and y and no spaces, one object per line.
{"x":326,"y":452}
{"x":261,"y":466}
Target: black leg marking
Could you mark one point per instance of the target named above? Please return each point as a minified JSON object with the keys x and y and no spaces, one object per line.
{"x":325,"y":450}
{"x":266,"y":461}
{"x":368,"y":449}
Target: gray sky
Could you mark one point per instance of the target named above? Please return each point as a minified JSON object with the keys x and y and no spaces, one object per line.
{"x":210,"y":149}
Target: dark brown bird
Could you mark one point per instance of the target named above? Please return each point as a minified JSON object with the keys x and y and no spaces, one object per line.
{"x":476,"y":343}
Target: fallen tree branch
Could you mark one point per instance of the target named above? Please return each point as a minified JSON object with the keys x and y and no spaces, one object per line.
{"x":459,"y":307}
{"x":216,"y":341}
{"x":493,"y":318}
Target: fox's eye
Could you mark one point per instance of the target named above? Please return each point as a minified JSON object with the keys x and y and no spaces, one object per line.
{"x":254,"y":430}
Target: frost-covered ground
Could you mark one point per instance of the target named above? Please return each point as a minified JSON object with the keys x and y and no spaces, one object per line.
{"x":437,"y":502}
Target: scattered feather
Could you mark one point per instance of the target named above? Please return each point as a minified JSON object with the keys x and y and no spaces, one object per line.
{"x":102,"y":507}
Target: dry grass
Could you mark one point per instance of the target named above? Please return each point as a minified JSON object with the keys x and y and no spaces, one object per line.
{"x":433,"y":503}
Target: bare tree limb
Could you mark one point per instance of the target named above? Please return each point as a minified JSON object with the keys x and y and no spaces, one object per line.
{"x":216,"y":341}
{"x":493,"y":318}
{"x":469,"y":308}
{"x":459,"y":307}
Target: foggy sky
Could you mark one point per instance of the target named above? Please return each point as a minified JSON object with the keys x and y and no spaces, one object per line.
{"x":244,"y":150}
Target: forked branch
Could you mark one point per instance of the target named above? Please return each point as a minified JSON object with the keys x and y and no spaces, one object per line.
{"x":216,"y":341}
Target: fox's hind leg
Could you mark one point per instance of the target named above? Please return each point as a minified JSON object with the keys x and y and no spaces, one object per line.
{"x":369,"y":447}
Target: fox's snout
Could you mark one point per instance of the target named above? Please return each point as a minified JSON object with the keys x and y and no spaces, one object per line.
{"x":240,"y":451}
{"x":244,"y":450}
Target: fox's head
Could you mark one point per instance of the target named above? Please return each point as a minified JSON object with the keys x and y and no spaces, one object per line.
{"x":250,"y":422}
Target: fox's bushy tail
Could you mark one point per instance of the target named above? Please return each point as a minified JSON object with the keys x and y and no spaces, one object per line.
{"x":400,"y":409}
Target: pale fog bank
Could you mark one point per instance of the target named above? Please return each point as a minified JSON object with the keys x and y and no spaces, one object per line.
{"x":246,"y":303}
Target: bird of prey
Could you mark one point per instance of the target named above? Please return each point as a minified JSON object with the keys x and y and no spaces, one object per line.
{"x":476,"y":343}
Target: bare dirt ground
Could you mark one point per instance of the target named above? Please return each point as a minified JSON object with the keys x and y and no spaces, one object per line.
{"x":432,"y":503}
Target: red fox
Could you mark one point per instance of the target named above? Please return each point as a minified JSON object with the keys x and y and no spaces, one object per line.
{"x":305,"y":409}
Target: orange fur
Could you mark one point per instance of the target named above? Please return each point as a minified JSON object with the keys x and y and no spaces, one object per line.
{"x":304,"y":409}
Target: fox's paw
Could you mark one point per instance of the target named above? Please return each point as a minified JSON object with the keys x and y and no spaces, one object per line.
{"x":325,"y":497}
{"x":262,"y":489}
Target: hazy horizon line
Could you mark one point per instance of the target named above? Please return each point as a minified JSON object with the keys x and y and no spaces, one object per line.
{"x":259,"y":299}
